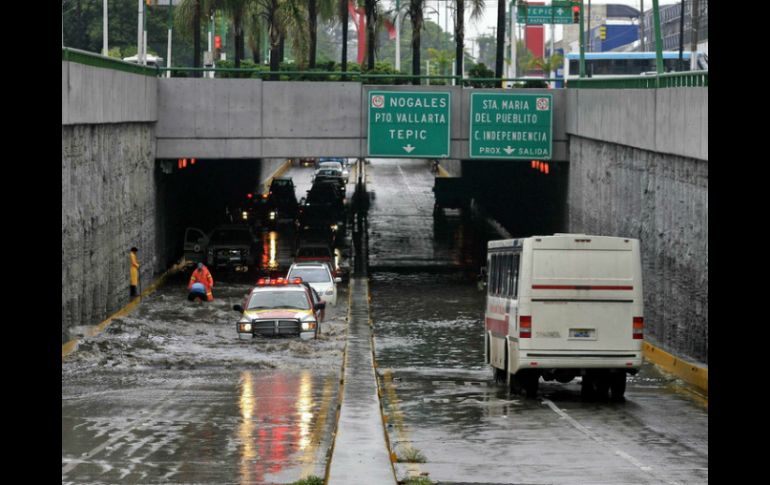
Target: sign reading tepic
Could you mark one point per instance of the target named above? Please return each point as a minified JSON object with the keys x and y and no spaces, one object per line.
{"x":511,"y":126}
{"x":409,"y":124}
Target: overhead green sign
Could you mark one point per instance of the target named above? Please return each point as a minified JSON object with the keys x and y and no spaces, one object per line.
{"x":409,"y":124}
{"x":558,"y":13}
{"x":511,"y":126}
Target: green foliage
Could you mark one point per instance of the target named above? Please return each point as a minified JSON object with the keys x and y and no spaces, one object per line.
{"x":311,"y":480}
{"x":481,"y":71}
{"x":411,"y":455}
{"x":418,"y":481}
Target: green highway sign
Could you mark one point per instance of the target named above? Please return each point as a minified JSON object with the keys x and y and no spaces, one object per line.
{"x":511,"y":126}
{"x":558,"y":13}
{"x":409,"y":124}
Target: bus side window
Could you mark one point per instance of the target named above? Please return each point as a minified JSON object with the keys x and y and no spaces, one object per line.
{"x":515,"y":276}
{"x":493,"y":270}
{"x":499,"y":275}
{"x":508,"y":286}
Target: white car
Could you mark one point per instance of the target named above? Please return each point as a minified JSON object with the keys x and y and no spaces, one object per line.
{"x":334,"y":166}
{"x":319,"y":277}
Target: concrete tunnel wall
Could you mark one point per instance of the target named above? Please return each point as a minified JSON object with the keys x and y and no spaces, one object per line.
{"x":639,"y":168}
{"x":108,"y":179}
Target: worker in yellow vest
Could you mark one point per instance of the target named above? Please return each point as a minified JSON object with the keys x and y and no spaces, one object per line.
{"x":134,"y":272}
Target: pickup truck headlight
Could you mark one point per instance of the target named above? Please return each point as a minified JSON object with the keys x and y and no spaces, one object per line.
{"x":244,"y":327}
{"x":308,"y":323}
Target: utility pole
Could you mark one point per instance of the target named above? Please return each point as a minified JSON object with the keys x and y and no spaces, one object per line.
{"x":500,"y":44}
{"x":658,"y":39}
{"x":140,"y":34}
{"x":514,"y":60}
{"x":681,"y":35}
{"x":105,"y":46}
{"x":170,"y":27}
{"x":398,"y":35}
{"x":695,"y":20}
{"x":588,"y":29}
{"x":641,"y":24}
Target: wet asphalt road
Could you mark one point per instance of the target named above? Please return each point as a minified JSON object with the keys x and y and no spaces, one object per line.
{"x":441,"y":399}
{"x":168,"y":394}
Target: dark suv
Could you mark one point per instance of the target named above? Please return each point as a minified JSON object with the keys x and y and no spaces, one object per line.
{"x":282,"y":200}
{"x":233,"y":247}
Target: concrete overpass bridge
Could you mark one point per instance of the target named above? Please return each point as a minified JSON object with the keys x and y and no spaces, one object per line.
{"x":633,"y":162}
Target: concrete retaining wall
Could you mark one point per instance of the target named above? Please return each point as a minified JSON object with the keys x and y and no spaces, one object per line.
{"x":108,"y":189}
{"x":108,"y":206}
{"x":661,"y":199}
{"x":672,"y":120}
{"x":98,"y":95}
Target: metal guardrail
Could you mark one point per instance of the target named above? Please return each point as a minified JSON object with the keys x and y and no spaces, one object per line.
{"x":97,"y":60}
{"x":667,"y":80}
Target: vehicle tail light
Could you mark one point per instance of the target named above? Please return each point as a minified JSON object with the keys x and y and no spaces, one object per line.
{"x":525,"y":326}
{"x":297,"y":281}
{"x":638,"y":328}
{"x":261,"y":281}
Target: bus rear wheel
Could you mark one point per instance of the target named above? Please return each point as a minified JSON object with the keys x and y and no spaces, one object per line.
{"x":617,"y":386}
{"x":525,"y":382}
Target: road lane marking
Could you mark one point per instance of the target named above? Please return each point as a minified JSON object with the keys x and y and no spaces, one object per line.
{"x":601,"y":441}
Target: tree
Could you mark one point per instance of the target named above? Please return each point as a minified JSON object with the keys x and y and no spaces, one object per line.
{"x":415,"y":14}
{"x":546,"y":65}
{"x":500,"y":56}
{"x":370,"y":7}
{"x":477,"y":9}
{"x":237,"y":11}
{"x":443,"y":60}
{"x":188,"y":17}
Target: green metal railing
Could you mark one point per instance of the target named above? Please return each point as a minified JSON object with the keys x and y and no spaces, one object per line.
{"x":356,"y":76}
{"x":90,"y":59}
{"x":668,"y":80}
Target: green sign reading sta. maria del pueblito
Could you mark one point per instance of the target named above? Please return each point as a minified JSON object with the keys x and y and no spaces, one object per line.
{"x":409,"y":124}
{"x":511,"y":126}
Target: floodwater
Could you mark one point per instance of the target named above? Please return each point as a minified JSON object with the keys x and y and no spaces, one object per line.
{"x":441,"y":399}
{"x":168,"y":394}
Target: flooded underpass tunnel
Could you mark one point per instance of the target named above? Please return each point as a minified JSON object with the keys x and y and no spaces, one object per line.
{"x":200,"y":193}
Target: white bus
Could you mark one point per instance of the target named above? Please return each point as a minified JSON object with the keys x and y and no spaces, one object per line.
{"x":619,"y":64}
{"x":564,"y":306}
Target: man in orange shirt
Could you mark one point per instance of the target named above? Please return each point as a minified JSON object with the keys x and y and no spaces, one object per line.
{"x":203,"y":276}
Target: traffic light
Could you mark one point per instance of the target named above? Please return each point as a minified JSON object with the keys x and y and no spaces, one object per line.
{"x":576,"y":14}
{"x":217,"y":42}
{"x":603,"y":32}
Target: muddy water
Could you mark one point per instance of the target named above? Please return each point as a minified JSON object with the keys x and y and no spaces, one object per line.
{"x":169,"y":394}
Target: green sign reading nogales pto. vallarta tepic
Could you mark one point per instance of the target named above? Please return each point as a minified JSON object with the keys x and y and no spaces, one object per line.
{"x":511,"y":126}
{"x":409,"y":124}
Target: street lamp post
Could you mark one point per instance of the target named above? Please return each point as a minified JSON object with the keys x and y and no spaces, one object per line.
{"x":105,"y":46}
{"x":398,"y":35}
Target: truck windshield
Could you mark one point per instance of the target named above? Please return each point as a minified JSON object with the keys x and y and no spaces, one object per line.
{"x":265,"y":300}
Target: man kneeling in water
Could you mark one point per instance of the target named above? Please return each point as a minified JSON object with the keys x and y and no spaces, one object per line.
{"x":197,"y":290}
